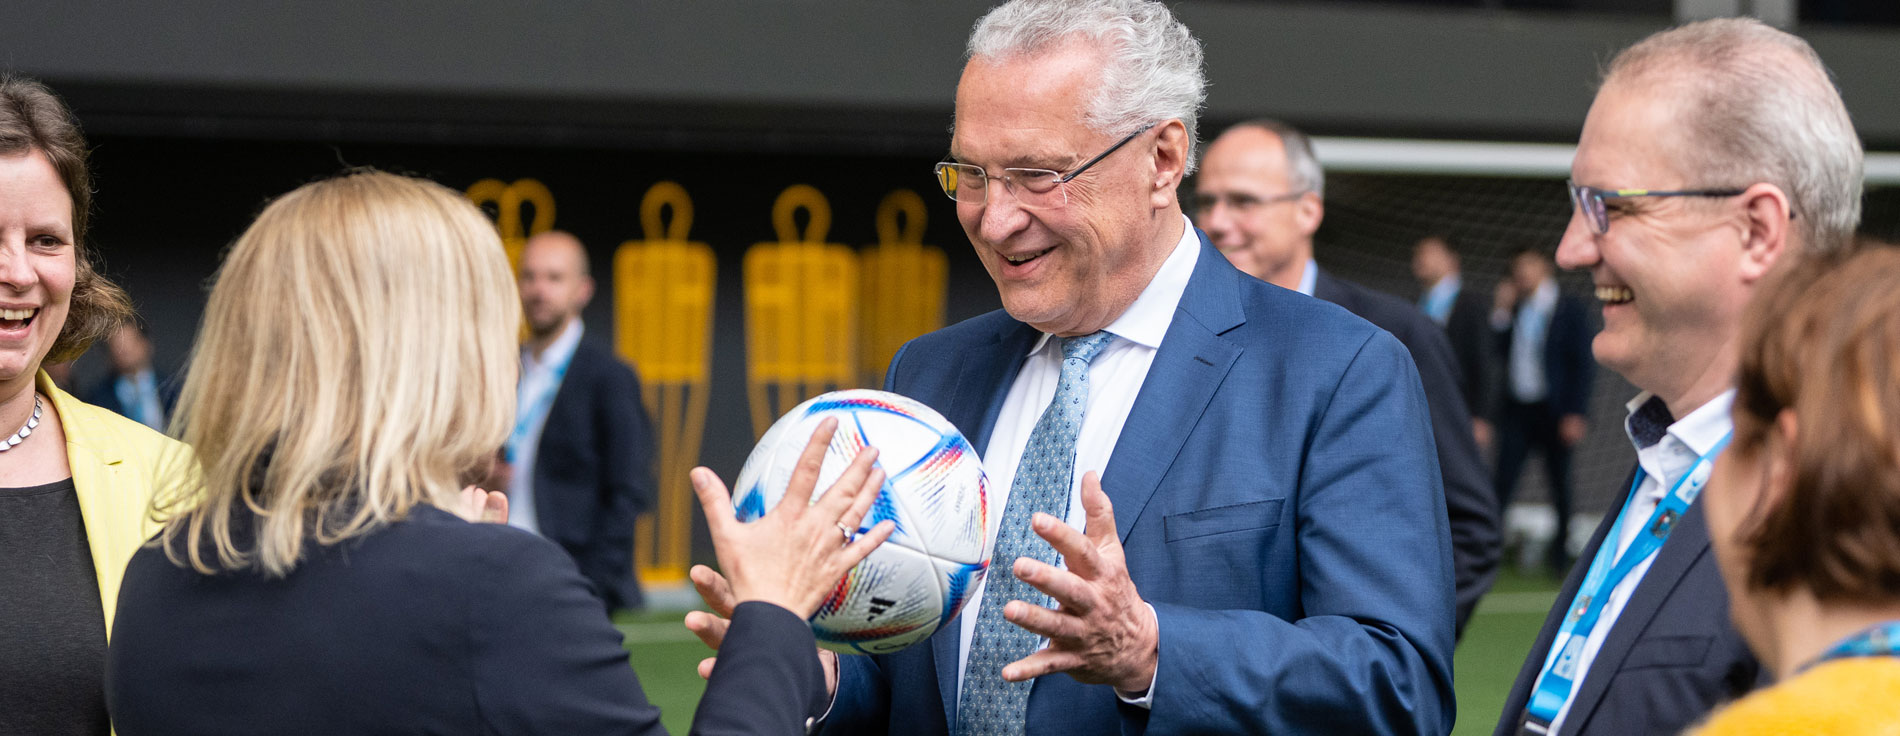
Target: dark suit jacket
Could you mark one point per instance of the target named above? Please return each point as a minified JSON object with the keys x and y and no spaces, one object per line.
{"x":1569,"y":366}
{"x":1476,"y":536}
{"x":106,"y":394}
{"x":1277,"y":498}
{"x":592,"y":471}
{"x":1469,"y":329}
{"x":1670,"y":658}
{"x":427,"y":625}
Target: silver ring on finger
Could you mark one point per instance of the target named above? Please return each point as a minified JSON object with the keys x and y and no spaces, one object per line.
{"x":846,"y":531}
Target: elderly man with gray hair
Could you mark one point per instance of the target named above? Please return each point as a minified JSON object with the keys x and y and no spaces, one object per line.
{"x":1713,"y":153}
{"x":1216,"y":503}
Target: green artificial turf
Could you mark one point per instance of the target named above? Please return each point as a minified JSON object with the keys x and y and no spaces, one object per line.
{"x":664,"y":654}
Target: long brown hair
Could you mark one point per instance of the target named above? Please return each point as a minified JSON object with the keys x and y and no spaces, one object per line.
{"x":32,"y":118}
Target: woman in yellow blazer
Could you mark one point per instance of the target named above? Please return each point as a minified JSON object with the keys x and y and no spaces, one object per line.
{"x":1804,"y":508}
{"x":75,"y":480}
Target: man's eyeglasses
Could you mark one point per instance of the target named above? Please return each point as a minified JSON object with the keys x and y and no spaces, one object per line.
{"x":1036,"y":189}
{"x":1203,"y":204}
{"x":1590,"y":200}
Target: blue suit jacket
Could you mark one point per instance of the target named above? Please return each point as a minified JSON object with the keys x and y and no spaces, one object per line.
{"x":1277,"y":494}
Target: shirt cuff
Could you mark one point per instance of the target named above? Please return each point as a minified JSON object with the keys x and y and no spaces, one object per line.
{"x":1146,"y":698}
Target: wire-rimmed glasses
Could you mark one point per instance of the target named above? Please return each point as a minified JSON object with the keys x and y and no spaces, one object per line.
{"x":1036,"y":189}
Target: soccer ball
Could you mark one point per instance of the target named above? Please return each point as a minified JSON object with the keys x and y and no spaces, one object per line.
{"x":934,"y":491}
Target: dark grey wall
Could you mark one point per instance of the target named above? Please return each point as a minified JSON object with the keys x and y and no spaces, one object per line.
{"x":798,"y":74}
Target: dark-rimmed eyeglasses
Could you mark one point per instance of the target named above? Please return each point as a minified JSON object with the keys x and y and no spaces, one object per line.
{"x":1036,"y":189}
{"x":1590,"y":200}
{"x":1203,"y":205}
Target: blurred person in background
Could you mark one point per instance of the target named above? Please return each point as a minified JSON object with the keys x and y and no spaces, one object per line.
{"x":578,"y":462}
{"x":132,"y":388}
{"x":1804,"y":507}
{"x":1544,"y":336}
{"x":75,"y":479}
{"x":356,"y":367}
{"x":1465,"y":314}
{"x":1260,"y":197}
{"x":1712,"y":153}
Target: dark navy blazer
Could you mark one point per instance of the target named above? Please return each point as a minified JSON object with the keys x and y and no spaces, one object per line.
{"x":1672,"y":655}
{"x":1277,"y":495}
{"x":430,"y":625}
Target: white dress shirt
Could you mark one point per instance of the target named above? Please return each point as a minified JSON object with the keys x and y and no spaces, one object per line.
{"x":1663,"y":464}
{"x":535,"y":394}
{"x":1115,"y":378}
{"x":1309,"y":277}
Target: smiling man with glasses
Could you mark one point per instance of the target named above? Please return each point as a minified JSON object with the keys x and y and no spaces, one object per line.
{"x":1214,"y":505}
{"x":1702,"y":145}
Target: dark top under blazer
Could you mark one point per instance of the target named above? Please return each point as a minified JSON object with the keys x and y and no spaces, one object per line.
{"x":1672,"y":655}
{"x":430,"y":625}
{"x":1277,"y":498}
{"x":1471,"y":504}
{"x":1569,"y":366}
{"x":593,"y":473}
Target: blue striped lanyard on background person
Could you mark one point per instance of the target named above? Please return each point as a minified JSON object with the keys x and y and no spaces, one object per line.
{"x":1880,"y":640}
{"x":1559,"y":676}
{"x":525,"y":421}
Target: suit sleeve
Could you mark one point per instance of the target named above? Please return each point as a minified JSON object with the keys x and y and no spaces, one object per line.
{"x":1372,"y":653}
{"x":767,"y":681}
{"x":627,"y":485}
{"x":1471,"y":505}
{"x":545,"y":659}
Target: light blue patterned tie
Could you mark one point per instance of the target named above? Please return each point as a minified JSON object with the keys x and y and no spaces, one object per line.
{"x":991,"y":706}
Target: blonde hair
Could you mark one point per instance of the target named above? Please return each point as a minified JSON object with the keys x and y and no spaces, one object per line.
{"x":357,"y":358}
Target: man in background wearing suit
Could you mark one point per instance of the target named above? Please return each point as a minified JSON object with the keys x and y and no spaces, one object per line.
{"x":1266,"y":548}
{"x":1713,"y":152}
{"x":577,"y":460}
{"x":1466,"y":316}
{"x":1260,"y":197}
{"x":133,"y":388}
{"x":1544,"y":336}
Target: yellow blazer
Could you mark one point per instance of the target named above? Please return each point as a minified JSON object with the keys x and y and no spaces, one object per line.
{"x":117,"y":464}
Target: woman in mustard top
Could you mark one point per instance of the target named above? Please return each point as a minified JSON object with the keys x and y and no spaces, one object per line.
{"x":75,"y":479}
{"x":1804,"y":510}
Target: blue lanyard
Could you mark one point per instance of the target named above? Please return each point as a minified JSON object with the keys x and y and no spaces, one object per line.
{"x":524,"y":422}
{"x":1882,"y":640}
{"x":1560,"y":673}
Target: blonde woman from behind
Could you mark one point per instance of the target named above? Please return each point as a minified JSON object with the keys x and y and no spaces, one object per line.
{"x":355,"y":371}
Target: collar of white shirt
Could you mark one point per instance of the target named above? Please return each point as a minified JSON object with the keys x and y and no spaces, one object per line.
{"x":1689,"y":438}
{"x":1146,"y":321}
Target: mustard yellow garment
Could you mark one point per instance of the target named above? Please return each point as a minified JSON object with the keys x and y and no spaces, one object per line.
{"x":1845,"y":697}
{"x":117,"y":463}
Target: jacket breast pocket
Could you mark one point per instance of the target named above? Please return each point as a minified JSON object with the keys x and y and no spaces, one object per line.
{"x":1668,"y":651}
{"x":1240,"y":517}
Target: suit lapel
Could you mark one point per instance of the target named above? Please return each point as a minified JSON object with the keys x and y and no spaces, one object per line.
{"x":1187,"y":371}
{"x":982,"y":384}
{"x":1688,"y":543}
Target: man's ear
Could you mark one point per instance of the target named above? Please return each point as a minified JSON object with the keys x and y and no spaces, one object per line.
{"x":1170,"y":161}
{"x":1766,"y":227}
{"x":1308,"y":211}
{"x":586,"y":292}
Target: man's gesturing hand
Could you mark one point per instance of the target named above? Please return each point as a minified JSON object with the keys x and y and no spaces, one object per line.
{"x":1102,"y":632}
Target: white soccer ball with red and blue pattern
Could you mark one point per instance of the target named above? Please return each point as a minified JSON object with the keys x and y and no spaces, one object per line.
{"x":934,"y":490}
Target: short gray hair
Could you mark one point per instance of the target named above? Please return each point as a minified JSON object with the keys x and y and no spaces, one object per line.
{"x":1303,"y":171}
{"x":1761,"y":107}
{"x":1153,"y":69}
